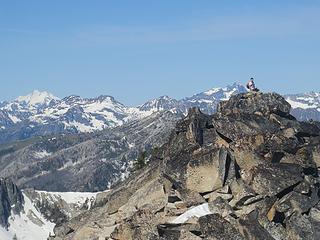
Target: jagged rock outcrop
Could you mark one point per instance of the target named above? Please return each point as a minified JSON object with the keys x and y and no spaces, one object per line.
{"x":250,"y":171}
{"x":255,"y":103}
{"x":11,"y":199}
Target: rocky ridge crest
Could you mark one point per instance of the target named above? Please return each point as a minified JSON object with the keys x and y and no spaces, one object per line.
{"x":41,"y":113}
{"x":250,"y":171}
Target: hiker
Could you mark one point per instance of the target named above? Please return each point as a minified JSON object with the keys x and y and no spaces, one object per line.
{"x":251,"y":86}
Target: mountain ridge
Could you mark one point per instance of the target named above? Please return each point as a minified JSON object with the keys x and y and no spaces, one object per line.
{"x":41,"y":113}
{"x":249,"y":171}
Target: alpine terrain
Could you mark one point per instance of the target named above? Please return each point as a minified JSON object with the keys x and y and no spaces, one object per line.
{"x":84,"y":162}
{"x":249,"y":171}
{"x":78,"y":168}
{"x":41,"y":113}
{"x":32,"y":215}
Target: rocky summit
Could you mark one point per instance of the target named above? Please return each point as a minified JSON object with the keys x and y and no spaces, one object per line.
{"x":249,"y":171}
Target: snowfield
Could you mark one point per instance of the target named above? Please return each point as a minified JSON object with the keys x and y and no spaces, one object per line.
{"x":41,"y":154}
{"x":77,"y":198}
{"x":30,"y":224}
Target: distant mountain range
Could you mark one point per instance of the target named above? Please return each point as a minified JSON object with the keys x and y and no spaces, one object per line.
{"x":41,"y":113}
{"x":84,"y":161}
{"x":305,"y":106}
{"x":92,"y":160}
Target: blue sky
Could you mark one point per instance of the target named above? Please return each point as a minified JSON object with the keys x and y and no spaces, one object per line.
{"x":138,"y":50}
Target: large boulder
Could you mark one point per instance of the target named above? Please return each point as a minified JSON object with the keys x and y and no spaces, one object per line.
{"x":273,"y":179}
{"x":256,"y":103}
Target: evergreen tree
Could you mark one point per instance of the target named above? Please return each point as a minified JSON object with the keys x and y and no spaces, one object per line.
{"x":140,"y":162}
{"x":15,"y":237}
{"x":155,"y":151}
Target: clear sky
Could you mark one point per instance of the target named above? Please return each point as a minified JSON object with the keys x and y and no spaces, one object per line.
{"x":137,"y":50}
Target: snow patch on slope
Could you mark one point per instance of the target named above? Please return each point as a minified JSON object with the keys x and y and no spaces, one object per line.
{"x":197,"y":211}
{"x":77,"y":198}
{"x":227,"y":94}
{"x":81,"y":127}
{"x":41,"y":154}
{"x":212,"y":91}
{"x":14,"y":119}
{"x":30,"y":224}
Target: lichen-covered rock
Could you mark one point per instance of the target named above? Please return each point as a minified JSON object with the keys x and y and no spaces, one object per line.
{"x":214,"y":226}
{"x":299,"y":227}
{"x":203,"y":172}
{"x":251,"y":229}
{"x":315,"y":220}
{"x":221,"y":206}
{"x":272,"y":179}
{"x":241,"y":193}
{"x":140,"y":226}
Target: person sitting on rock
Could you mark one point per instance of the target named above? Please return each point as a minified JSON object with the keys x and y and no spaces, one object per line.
{"x":251,"y":86}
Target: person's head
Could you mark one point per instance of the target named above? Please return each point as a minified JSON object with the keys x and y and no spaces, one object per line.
{"x":251,"y":79}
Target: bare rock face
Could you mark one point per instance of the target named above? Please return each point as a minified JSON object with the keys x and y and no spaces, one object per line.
{"x":250,"y":171}
{"x":272,"y":179}
{"x":11,"y":199}
{"x":256,"y":103}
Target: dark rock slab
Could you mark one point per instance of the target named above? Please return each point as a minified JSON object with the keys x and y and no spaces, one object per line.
{"x":273,"y":179}
{"x":215,"y":227}
{"x":251,"y":229}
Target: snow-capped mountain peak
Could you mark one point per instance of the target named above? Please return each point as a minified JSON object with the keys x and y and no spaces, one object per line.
{"x":212,"y":91}
{"x":208,"y":100}
{"x":37,"y":98}
{"x":221,"y":92}
{"x":159,"y":104}
{"x":44,"y":113}
{"x":305,"y":106}
{"x":304,"y":101}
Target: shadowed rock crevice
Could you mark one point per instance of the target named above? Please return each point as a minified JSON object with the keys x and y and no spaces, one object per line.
{"x":277,"y":156}
{"x":228,"y":140}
